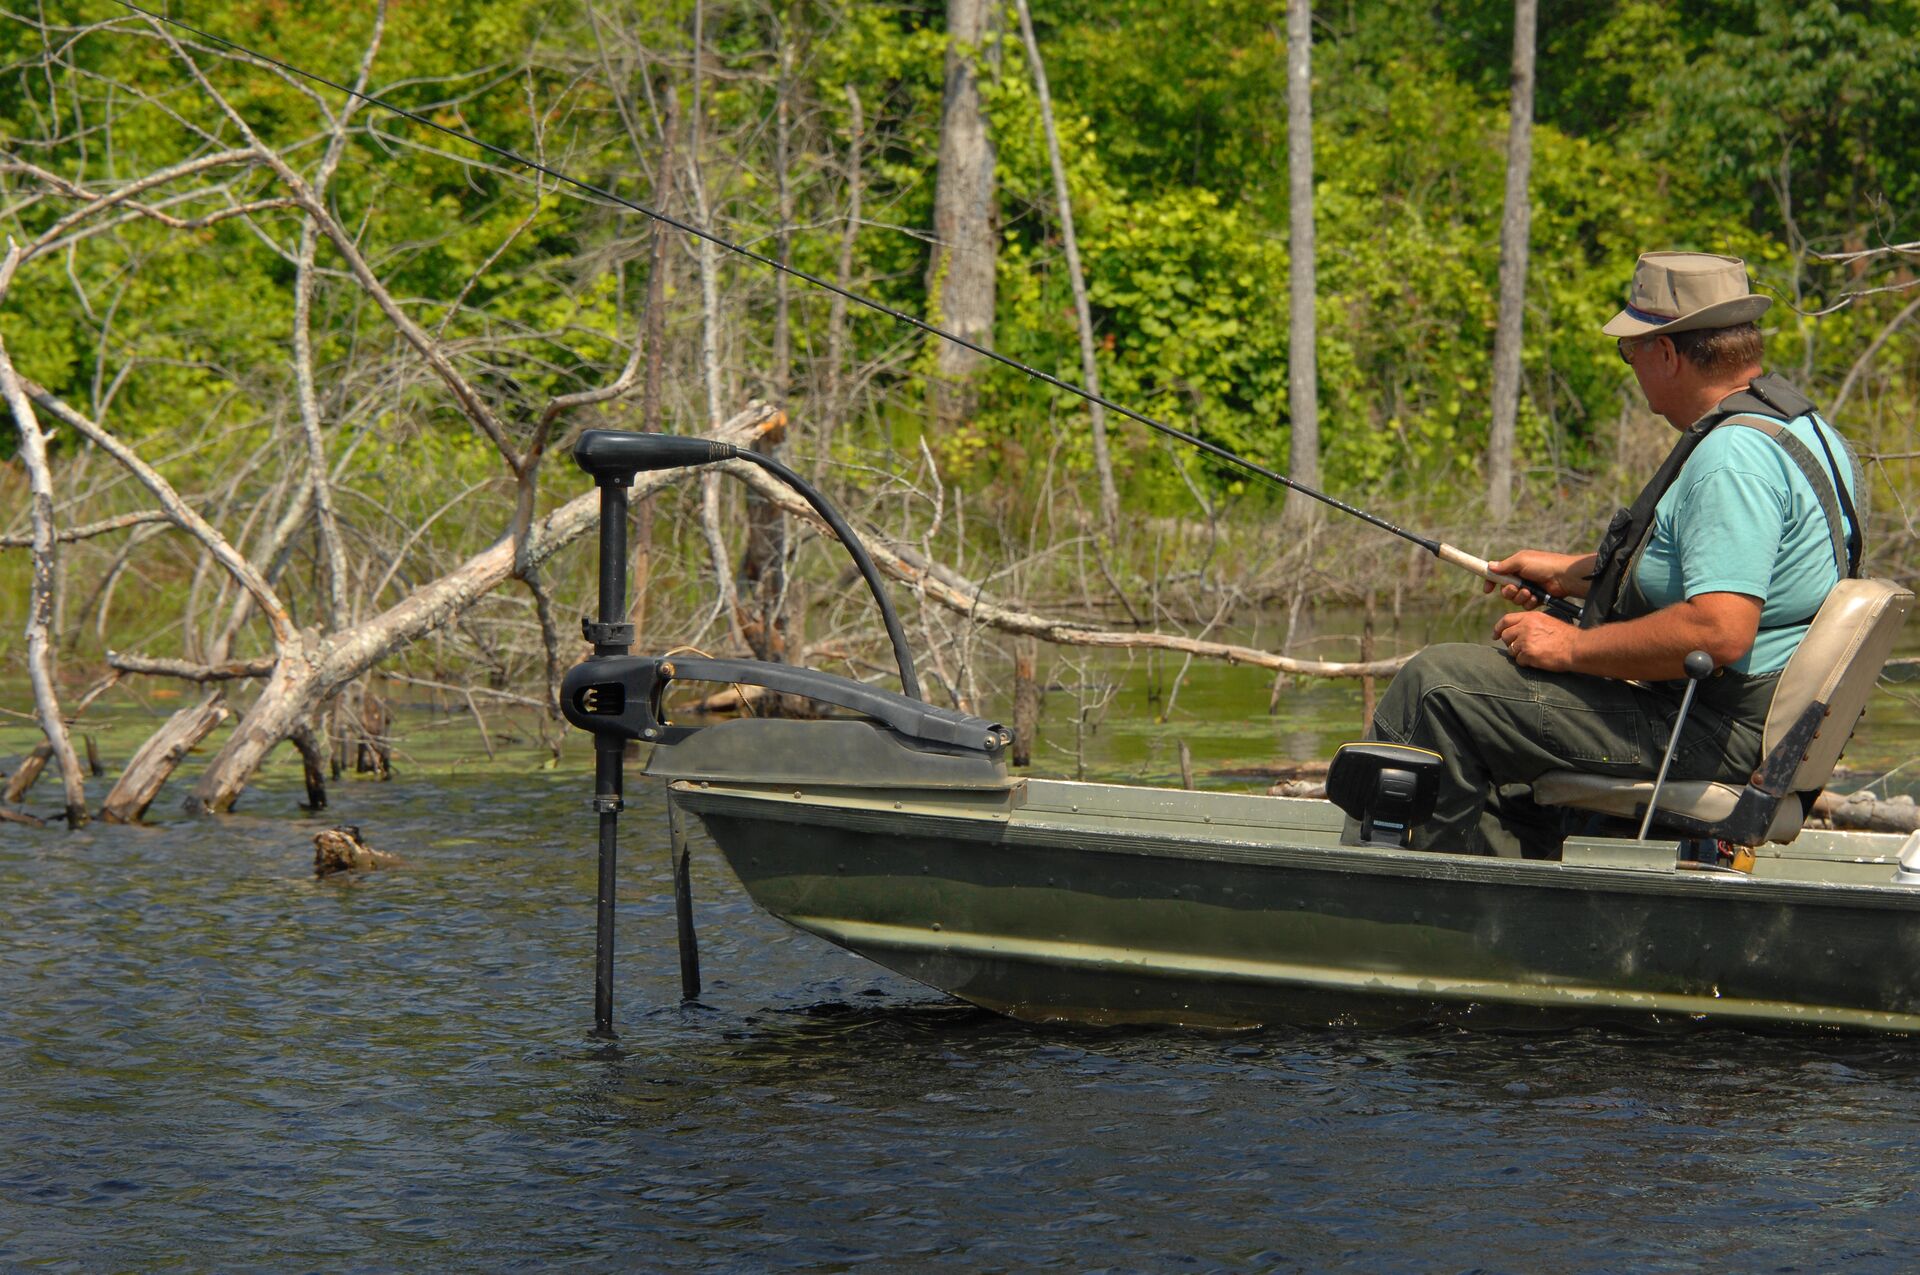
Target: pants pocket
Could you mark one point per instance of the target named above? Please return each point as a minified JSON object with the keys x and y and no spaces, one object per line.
{"x":1612,"y":737}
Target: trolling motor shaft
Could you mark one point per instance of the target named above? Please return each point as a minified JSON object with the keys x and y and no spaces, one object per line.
{"x":611,"y":636}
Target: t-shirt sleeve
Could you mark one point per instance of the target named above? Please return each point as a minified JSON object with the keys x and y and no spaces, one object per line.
{"x":1728,"y":527}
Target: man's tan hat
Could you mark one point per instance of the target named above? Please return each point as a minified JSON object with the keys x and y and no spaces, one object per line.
{"x":1682,"y":291}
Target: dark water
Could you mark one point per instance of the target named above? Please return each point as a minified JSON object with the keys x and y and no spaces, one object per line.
{"x":209,"y":1061}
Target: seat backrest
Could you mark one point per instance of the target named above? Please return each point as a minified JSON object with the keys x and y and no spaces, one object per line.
{"x":1837,"y":664}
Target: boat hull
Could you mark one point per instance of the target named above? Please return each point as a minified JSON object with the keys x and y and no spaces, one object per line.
{"x":1107,"y":904}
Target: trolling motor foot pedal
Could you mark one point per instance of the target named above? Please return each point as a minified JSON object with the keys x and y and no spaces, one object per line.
{"x":1390,"y":788}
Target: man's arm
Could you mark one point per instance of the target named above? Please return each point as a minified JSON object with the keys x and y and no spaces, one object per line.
{"x":1650,"y":648}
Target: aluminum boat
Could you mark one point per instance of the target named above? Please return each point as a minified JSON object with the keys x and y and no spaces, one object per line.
{"x":1103,"y":903}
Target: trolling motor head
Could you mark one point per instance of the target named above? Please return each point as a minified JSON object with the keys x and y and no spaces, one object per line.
{"x":615,"y":456}
{"x":616,"y":697}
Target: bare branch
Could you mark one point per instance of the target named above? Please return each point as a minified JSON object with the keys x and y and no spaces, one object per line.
{"x":183,"y":515}
{"x":71,"y":534}
{"x":946,"y":588}
{"x":188,"y":670}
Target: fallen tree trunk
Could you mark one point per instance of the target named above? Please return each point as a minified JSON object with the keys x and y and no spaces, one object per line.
{"x":310,"y":670}
{"x":1863,"y":812}
{"x":141,"y":781}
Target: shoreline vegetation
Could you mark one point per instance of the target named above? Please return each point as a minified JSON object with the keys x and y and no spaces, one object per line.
{"x":290,"y":381}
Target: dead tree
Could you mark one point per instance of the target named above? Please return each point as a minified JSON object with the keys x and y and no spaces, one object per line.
{"x":1089,"y":367}
{"x":1303,"y":387}
{"x":1513,"y":268}
{"x":33,"y":451}
{"x":960,"y":274}
{"x":335,"y":644}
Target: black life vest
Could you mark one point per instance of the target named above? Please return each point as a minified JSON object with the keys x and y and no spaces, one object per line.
{"x":1611,"y":597}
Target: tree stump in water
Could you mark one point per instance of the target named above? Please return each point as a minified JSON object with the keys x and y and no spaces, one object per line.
{"x":154,"y":764}
{"x":30,"y":767}
{"x":375,"y":754}
{"x":1026,"y":704}
{"x":313,"y":764}
{"x":341,"y":850}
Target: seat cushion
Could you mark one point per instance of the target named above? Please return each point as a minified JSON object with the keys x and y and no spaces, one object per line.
{"x":1696,"y":799}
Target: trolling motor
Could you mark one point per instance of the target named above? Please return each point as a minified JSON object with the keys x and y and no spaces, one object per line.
{"x":616,"y":696}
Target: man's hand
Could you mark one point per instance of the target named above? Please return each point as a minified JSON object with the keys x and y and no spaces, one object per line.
{"x":1537,"y":641}
{"x":1560,"y":575}
{"x":1651,"y":648}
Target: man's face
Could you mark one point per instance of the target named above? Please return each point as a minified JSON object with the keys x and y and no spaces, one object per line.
{"x":1654,"y":362}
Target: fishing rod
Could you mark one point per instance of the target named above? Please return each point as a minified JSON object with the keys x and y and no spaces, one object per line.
{"x":1447,"y":553}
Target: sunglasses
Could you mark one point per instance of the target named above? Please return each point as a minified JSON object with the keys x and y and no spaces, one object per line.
{"x":1630,"y":346}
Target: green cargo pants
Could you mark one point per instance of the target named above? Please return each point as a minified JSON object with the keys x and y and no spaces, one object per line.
{"x":1498,"y":727}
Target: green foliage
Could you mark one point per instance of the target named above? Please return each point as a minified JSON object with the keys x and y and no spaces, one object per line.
{"x":1762,"y":127}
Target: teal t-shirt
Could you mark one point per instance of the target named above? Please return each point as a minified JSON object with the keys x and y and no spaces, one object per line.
{"x":1741,"y":518}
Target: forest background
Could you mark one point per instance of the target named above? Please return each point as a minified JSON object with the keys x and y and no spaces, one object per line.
{"x":297,"y":365}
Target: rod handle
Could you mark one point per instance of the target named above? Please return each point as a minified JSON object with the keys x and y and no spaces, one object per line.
{"x":1479,"y":566}
{"x":1557,"y":607}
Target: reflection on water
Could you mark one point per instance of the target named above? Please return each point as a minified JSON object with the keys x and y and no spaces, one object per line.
{"x":208,"y":1059}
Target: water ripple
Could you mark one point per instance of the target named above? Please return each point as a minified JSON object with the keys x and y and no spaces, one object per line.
{"x":207,"y":1059}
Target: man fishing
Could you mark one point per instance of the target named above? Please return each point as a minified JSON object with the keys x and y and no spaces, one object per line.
{"x":1730,"y":549}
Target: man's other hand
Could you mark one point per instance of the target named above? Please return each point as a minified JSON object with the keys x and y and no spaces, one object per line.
{"x":1537,"y":641}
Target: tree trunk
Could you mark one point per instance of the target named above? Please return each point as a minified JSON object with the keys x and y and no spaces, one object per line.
{"x":838,"y":401}
{"x":157,"y":759}
{"x":1513,"y":269}
{"x":40,"y":605}
{"x":960,"y":275}
{"x":1089,"y":368}
{"x":763,"y":565}
{"x":313,"y":766}
{"x":727,"y":599}
{"x":1026,"y":699}
{"x":1303,"y":376}
{"x":641,"y":552}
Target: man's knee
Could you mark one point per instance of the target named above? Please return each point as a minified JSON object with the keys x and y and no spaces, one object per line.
{"x":1439,"y":670}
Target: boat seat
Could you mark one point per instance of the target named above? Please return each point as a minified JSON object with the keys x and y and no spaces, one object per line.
{"x":1819,"y":699}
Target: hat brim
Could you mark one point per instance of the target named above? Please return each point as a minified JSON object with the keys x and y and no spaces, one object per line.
{"x":1721,"y":314}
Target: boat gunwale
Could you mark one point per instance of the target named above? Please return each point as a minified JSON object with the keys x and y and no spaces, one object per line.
{"x":829,"y":806}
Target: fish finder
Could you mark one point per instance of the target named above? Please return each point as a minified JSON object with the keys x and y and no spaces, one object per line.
{"x":1389,"y":788}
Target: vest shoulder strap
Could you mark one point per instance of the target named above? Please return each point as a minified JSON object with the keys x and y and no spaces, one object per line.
{"x":1816,"y":475}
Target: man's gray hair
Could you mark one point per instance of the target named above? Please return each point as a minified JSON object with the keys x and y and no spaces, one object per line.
{"x":1731,"y":349}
